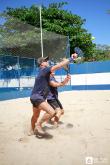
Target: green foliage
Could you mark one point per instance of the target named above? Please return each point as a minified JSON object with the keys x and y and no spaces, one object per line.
{"x":102,"y":53}
{"x":55,"y":19}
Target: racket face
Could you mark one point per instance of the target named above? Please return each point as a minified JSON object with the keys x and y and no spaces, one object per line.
{"x":78,"y":51}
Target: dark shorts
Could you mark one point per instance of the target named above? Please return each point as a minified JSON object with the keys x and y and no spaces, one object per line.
{"x":37,"y":99}
{"x":36,"y":103}
{"x":55,"y":104}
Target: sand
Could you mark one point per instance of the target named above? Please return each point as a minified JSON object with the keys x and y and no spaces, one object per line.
{"x":83,"y":135}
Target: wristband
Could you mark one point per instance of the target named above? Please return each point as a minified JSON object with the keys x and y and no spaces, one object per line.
{"x":71,"y":59}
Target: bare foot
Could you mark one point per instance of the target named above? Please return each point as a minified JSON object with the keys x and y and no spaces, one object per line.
{"x":31,"y":132}
{"x":55,"y":125}
{"x":38,"y":130}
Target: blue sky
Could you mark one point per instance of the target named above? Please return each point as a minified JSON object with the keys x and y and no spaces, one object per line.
{"x":94,"y":11}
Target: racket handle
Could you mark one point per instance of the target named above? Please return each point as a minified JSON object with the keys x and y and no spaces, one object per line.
{"x":73,"y":57}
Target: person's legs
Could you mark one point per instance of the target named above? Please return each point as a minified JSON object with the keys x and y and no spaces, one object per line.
{"x":56,"y":118}
{"x":56,"y":104}
{"x":34,"y":118}
{"x":59,"y":112}
{"x":36,"y":113}
{"x":50,"y":112}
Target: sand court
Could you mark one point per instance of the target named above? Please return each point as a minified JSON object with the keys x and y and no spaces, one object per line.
{"x":83,"y":135}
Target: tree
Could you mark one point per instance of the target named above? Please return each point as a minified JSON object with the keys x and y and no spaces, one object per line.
{"x":102,"y":52}
{"x":55,"y":19}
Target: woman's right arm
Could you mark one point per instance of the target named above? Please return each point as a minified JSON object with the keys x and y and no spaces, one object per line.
{"x":64,"y":62}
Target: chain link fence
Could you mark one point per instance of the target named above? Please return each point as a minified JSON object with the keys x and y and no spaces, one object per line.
{"x":20,"y":46}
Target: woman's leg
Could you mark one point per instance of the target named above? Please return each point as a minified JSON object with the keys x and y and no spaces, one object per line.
{"x":50,"y":112}
{"x":36,"y":113}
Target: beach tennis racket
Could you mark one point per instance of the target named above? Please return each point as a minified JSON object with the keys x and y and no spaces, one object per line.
{"x":78,"y":51}
{"x":78,"y":60}
{"x":80,"y":54}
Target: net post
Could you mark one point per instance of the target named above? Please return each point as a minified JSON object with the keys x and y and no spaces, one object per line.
{"x":18,"y":71}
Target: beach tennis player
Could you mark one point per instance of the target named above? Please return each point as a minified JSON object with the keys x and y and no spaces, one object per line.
{"x":53,"y":99}
{"x":41,"y":90}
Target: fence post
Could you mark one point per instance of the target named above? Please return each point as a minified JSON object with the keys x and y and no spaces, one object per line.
{"x":18,"y":72}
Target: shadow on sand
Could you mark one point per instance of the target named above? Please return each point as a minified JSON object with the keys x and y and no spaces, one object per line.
{"x":46,"y":136}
